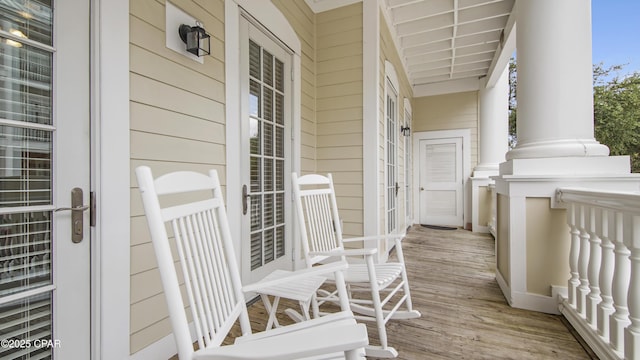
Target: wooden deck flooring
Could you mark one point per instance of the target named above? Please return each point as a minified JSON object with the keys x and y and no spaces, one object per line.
{"x":464,"y":314}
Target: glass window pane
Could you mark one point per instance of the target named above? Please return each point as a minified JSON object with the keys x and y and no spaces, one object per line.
{"x":268,"y":138}
{"x":256,"y":250}
{"x":268,"y":175}
{"x":268,"y":104}
{"x":256,"y":174}
{"x":269,"y":246}
{"x":255,"y":136}
{"x":280,"y":241}
{"x":25,"y":166}
{"x":279,"y":208}
{"x":279,"y":75}
{"x":279,"y":109}
{"x":254,"y":60}
{"x":279,"y":141}
{"x":280,"y":177}
{"x":27,"y":19}
{"x":25,"y":251}
{"x":28,"y":320}
{"x":267,"y":66}
{"x":254,"y":99}
{"x":25,"y":83}
{"x":256,"y":212}
{"x":268,"y":210}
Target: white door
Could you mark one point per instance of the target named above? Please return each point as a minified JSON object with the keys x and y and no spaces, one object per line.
{"x":44,"y":154}
{"x":266,"y":113}
{"x":441,"y":182}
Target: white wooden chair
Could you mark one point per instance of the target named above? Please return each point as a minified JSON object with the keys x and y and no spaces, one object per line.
{"x":212,"y":284}
{"x":321,"y":237}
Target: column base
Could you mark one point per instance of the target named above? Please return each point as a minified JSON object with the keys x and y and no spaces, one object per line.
{"x":558,"y":148}
{"x":568,"y":166}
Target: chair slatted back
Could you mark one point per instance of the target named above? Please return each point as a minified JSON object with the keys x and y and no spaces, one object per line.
{"x":205,"y":252}
{"x":317,"y":213}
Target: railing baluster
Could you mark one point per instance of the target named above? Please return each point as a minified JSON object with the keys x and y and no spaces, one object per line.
{"x":595,"y":258}
{"x":632,"y":333}
{"x":620,"y":318}
{"x":603,"y":297}
{"x":574,"y":280}
{"x":605,"y":308}
{"x":583,"y":262}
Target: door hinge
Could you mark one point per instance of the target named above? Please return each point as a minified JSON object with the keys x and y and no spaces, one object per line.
{"x":92,"y":207}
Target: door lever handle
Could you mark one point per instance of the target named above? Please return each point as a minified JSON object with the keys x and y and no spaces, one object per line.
{"x":245,"y":196}
{"x":76,"y":208}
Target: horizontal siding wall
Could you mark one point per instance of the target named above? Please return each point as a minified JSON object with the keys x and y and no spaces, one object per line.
{"x":388,"y":52}
{"x":449,"y":112}
{"x":302,"y":19}
{"x":177,"y":123}
{"x":339,"y":109}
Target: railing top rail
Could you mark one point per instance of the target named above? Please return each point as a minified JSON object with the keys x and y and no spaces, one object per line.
{"x":627,"y":201}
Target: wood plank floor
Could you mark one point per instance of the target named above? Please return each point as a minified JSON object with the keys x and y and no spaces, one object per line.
{"x":464,"y":314}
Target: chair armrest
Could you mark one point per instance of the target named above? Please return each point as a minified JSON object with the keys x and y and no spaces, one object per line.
{"x":376,"y":237}
{"x":296,"y":345}
{"x":348,"y":252}
{"x":297,"y":275}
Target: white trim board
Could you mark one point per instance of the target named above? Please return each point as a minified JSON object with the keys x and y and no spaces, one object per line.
{"x":111,"y":179}
{"x":370,"y":112}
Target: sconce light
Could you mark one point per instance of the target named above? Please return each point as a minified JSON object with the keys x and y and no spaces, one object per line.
{"x":405,"y":130}
{"x":196,"y":37}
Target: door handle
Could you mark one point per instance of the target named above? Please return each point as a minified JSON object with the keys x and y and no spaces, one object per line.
{"x":245,"y":196}
{"x":77,"y":217}
{"x":397,"y":188}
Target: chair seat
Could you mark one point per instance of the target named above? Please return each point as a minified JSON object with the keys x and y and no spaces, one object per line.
{"x":300,"y":290}
{"x":302,"y":342}
{"x":385,"y":273}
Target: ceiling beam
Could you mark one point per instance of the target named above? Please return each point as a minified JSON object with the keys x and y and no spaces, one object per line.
{"x":505,"y":50}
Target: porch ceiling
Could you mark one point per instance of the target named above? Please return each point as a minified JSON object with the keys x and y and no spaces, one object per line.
{"x":446,"y":43}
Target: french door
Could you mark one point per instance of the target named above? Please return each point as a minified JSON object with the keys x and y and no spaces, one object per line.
{"x":266,"y":112}
{"x":44,"y":158}
{"x":391,"y":159}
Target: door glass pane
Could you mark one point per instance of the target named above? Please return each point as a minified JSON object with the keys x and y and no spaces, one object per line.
{"x":27,"y":19}
{"x":266,"y":93}
{"x":25,"y":83}
{"x":25,"y":166}
{"x":26,"y":203}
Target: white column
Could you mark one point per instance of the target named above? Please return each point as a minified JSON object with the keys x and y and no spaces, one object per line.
{"x":555,"y":100}
{"x":494,"y":126}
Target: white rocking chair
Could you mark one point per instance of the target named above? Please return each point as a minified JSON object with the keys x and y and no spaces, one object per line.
{"x":321,"y":237}
{"x":212,"y":280}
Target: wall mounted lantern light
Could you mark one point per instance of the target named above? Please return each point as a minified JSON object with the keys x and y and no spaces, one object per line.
{"x":405,"y":130}
{"x":196,"y":37}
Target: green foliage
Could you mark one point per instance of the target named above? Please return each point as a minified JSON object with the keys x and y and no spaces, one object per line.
{"x":513,"y":103}
{"x":616,"y":111}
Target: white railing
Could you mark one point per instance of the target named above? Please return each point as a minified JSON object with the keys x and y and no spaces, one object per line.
{"x":603,"y":302}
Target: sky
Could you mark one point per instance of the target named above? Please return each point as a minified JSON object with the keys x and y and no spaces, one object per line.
{"x":616,"y":33}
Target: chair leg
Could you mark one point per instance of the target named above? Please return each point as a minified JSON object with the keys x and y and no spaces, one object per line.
{"x":383,"y":350}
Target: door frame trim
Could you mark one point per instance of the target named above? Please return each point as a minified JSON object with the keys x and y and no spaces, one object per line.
{"x":111,"y":179}
{"x":465,"y":134}
{"x":269,"y":17}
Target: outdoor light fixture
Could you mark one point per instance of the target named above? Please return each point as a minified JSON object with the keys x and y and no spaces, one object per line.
{"x":405,"y":130}
{"x":196,"y":37}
